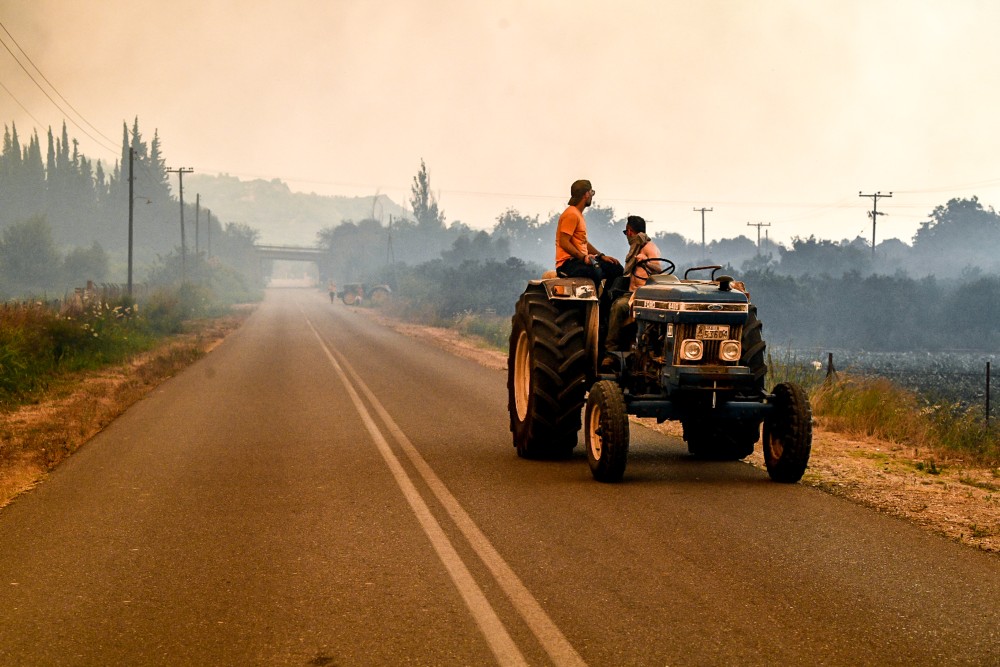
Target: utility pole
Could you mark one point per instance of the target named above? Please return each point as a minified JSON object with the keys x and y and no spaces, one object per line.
{"x":758,"y":225}
{"x":702,"y":227}
{"x":874,"y":213}
{"x":390,"y":255}
{"x":180,"y":171}
{"x":131,"y":206}
{"x":208,"y":214}
{"x":197,"y":220}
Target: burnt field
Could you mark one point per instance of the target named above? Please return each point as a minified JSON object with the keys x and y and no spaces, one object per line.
{"x":938,"y":377}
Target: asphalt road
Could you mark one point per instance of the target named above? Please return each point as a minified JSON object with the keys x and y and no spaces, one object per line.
{"x":320,"y":490}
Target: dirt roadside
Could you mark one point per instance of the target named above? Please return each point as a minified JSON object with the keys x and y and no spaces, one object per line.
{"x":933,"y":489}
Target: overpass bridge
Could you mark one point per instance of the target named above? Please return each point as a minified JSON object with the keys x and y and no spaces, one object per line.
{"x":290,"y":253}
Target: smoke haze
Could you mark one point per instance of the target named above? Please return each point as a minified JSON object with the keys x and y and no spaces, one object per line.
{"x":778,"y":111}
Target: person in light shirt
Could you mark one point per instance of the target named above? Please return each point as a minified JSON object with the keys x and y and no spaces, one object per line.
{"x":640,"y":247}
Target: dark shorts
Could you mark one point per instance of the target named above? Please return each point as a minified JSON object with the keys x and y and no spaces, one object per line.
{"x":577,"y":268}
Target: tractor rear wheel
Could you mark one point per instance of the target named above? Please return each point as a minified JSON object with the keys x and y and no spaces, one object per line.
{"x":547,"y":369}
{"x":788,"y":434}
{"x":754,"y":349}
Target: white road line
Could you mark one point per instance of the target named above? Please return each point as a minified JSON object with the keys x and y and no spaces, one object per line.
{"x":551,"y":638}
{"x":499,"y":640}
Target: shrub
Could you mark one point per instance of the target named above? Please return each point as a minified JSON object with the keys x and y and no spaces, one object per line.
{"x":875,"y":407}
{"x":37,"y":342}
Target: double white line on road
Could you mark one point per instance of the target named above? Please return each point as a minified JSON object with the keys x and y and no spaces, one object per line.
{"x":506,"y":651}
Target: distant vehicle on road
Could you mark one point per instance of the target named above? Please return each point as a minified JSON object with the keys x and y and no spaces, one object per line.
{"x":355,"y":294}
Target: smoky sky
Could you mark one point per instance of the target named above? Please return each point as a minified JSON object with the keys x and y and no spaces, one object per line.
{"x":775,"y":111}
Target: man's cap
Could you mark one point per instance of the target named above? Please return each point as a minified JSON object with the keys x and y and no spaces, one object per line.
{"x":578,"y":190}
{"x":636,"y":223}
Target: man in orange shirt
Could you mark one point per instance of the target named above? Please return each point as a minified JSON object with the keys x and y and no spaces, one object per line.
{"x":575,"y":256}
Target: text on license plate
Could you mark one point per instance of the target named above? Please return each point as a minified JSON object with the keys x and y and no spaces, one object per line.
{"x":712,"y":332}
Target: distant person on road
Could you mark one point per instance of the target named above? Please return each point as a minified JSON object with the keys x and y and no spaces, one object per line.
{"x":332,"y":288}
{"x":640,"y":248}
{"x":575,"y":256}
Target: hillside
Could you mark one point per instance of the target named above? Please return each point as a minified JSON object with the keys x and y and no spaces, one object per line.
{"x":282,"y":216}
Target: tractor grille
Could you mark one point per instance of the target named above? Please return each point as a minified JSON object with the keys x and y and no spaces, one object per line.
{"x":711,"y":355}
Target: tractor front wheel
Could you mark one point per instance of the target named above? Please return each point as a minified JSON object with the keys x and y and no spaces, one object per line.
{"x":788,"y":434}
{"x":606,"y":432}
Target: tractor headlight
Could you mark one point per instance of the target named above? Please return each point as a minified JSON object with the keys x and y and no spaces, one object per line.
{"x":691,"y":350}
{"x":729,"y":350}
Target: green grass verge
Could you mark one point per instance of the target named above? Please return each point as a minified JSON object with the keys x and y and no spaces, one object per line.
{"x":39,"y":343}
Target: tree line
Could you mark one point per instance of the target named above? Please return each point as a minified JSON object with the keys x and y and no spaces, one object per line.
{"x":63,"y":220}
{"x":64,"y":217}
{"x":957,"y":240}
{"x":941,"y":292}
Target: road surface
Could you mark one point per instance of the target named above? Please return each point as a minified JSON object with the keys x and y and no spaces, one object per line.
{"x":321,"y":490}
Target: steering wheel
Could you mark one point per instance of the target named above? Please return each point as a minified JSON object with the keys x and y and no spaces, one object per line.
{"x":650,"y":271}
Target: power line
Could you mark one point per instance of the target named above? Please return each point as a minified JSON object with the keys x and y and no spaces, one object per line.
{"x":40,"y":124}
{"x":54,"y":89}
{"x":46,"y":93}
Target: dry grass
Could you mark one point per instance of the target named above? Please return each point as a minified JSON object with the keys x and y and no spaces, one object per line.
{"x":877,"y":408}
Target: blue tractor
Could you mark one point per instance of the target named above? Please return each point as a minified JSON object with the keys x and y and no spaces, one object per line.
{"x":694,"y":353}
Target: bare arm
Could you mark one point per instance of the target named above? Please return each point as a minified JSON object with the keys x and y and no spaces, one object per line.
{"x":566,"y":243}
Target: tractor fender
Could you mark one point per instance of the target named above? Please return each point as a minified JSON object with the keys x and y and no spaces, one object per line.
{"x":567,"y":289}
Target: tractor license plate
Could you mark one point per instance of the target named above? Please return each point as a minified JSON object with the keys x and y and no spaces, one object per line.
{"x":712,"y":332}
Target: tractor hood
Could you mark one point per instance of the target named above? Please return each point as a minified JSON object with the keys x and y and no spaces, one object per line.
{"x":678,"y":301}
{"x":689,"y":291}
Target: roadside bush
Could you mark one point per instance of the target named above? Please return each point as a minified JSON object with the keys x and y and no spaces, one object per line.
{"x":492,"y":329}
{"x":25,"y":351}
{"x":876,"y":407}
{"x":787,"y":367}
{"x":166,"y":308}
{"x":37,"y":342}
{"x":229,"y":287}
{"x":436,"y":293}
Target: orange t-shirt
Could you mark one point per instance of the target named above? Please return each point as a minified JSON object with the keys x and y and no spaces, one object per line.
{"x":571,"y":222}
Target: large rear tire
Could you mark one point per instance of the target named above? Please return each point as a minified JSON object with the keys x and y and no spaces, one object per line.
{"x":788,"y":434}
{"x":547,"y":368}
{"x":606,"y":432}
{"x":754,"y":349}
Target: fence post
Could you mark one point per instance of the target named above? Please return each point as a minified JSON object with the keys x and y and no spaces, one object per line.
{"x":830,"y":370}
{"x":987,"y":394}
